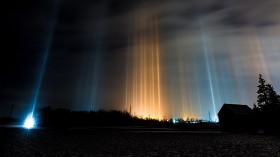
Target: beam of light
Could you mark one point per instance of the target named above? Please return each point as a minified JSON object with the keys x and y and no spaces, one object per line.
{"x":145,"y":84}
{"x":88,"y":88}
{"x":197,"y":91}
{"x":43,"y":66}
{"x":206,"y":58}
{"x":210,"y":79}
{"x":126,"y":77}
{"x":127,"y":80}
{"x":209,"y":74}
{"x":41,"y":74}
{"x":265,"y":47}
{"x":95,"y":78}
{"x":230,"y":69}
{"x":261,"y":55}
{"x":182,"y":87}
{"x":97,"y":56}
{"x":158,"y":69}
{"x":30,"y":118}
{"x":237,"y":70}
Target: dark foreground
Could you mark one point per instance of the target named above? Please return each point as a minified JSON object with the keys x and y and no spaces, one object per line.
{"x":131,"y":141}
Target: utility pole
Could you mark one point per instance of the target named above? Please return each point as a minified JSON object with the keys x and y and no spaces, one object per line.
{"x":209,"y":116}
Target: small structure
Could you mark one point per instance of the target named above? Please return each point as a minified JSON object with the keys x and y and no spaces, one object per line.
{"x":235,"y":117}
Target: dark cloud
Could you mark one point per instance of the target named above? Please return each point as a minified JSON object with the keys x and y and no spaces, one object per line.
{"x":218,"y":6}
{"x":234,"y":19}
{"x":264,"y":23}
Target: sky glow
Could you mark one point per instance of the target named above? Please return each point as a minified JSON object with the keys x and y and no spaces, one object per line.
{"x":156,"y":59}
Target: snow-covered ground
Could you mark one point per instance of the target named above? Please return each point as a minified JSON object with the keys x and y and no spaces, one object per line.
{"x":133,"y":142}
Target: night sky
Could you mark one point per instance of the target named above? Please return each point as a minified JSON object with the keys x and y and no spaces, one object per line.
{"x":153,"y":58}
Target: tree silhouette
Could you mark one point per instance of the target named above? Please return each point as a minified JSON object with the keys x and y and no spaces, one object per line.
{"x":268,"y":108}
{"x":262,"y":94}
{"x":273,"y":99}
{"x":268,"y":99}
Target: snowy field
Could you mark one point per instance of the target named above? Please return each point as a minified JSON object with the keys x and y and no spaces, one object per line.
{"x":133,"y":141}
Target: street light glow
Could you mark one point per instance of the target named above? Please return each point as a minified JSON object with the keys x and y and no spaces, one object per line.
{"x":29,"y":122}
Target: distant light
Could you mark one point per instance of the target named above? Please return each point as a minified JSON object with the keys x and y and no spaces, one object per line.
{"x":194,"y":122}
{"x":29,"y":122}
{"x":215,"y":119}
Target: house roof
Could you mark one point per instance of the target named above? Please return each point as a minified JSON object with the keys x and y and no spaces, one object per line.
{"x":237,"y":108}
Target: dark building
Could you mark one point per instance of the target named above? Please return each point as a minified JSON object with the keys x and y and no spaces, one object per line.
{"x":235,"y":117}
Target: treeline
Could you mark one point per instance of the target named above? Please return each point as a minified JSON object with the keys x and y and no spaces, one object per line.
{"x":48,"y":117}
{"x":9,"y":121}
{"x":266,"y":113}
{"x":63,"y":118}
